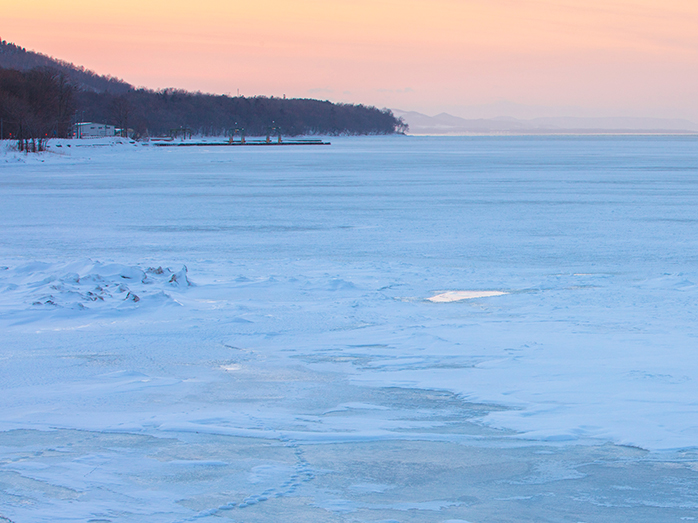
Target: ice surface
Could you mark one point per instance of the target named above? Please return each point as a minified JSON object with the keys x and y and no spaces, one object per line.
{"x":388,"y":329}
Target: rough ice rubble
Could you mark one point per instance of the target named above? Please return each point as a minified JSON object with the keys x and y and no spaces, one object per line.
{"x":89,"y":285}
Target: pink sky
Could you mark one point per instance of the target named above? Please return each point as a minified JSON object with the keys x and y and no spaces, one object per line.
{"x":466,"y":57}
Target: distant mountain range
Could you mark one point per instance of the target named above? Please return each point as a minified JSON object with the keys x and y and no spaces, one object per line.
{"x":446,"y":124}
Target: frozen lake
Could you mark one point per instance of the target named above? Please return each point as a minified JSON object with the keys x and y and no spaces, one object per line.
{"x":390,"y":329}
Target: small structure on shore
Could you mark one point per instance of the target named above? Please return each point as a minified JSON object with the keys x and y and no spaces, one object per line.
{"x":184,"y":132}
{"x":94,"y":130}
{"x":234,"y":132}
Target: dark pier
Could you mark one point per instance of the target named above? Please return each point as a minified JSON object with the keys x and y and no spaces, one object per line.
{"x":246,"y":143}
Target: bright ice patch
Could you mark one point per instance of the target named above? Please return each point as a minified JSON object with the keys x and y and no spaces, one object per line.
{"x":451,"y":296}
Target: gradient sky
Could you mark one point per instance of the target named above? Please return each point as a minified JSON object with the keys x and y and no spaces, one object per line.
{"x":467,"y":57}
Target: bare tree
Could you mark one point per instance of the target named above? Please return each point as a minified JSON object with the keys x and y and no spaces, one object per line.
{"x":120,"y":110}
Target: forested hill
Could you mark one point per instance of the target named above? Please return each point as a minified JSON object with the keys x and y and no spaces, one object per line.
{"x":15,"y":57}
{"x":42,"y":96}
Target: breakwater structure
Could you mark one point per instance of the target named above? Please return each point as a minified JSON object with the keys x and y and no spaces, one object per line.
{"x":246,"y":143}
{"x":242,"y":141}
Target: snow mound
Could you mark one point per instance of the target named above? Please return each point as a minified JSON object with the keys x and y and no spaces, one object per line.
{"x":88,"y":284}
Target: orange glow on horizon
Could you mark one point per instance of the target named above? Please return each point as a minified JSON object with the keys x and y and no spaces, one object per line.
{"x":627,"y":56}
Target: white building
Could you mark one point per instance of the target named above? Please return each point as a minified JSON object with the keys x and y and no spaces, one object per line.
{"x":93,"y":130}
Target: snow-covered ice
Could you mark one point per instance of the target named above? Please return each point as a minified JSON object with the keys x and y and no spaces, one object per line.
{"x":387,"y":329}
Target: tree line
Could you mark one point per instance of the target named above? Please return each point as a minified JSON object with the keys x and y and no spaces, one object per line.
{"x":165,"y":111}
{"x":35,"y":106}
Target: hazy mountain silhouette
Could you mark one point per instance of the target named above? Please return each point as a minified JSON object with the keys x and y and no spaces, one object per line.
{"x":444,"y":124}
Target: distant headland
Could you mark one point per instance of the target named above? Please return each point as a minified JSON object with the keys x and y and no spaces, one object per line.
{"x":41,"y":96}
